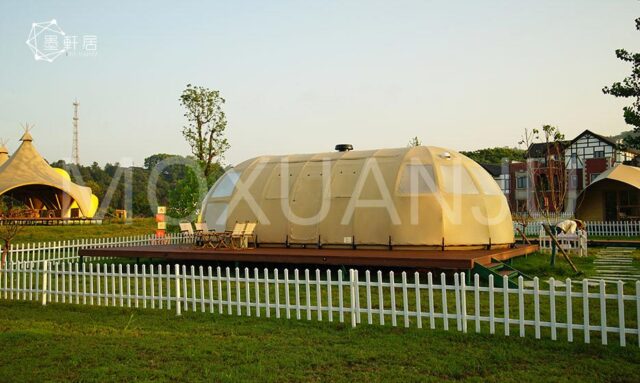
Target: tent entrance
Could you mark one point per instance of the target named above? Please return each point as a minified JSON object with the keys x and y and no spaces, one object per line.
{"x":42,"y":201}
{"x":610,"y":206}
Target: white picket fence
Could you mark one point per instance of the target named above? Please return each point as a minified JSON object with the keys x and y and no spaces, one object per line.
{"x":68,"y":250}
{"x":558,"y":311}
{"x":542,"y":216}
{"x":570,"y":242}
{"x":594,"y":228}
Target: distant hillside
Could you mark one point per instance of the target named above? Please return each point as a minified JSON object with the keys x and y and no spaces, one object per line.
{"x":495,"y":155}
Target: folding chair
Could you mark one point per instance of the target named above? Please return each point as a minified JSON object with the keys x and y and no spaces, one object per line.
{"x":208,"y":238}
{"x":249,"y":235}
{"x":187,"y":230}
{"x":237,"y":235}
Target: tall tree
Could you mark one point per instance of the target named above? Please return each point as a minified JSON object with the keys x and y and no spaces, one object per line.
{"x":206,"y":125}
{"x":629,"y":88}
{"x":11,"y":211}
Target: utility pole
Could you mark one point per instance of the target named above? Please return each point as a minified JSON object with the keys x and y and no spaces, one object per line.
{"x":74,"y":151}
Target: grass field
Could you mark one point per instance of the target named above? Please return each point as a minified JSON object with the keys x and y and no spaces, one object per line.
{"x":76,"y":343}
{"x":539,"y":264}
{"x":138,"y":226}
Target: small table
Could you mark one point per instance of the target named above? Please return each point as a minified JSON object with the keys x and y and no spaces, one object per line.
{"x":215,"y":240}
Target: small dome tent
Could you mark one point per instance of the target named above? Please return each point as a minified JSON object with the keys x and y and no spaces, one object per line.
{"x":426,"y":197}
{"x":27,"y":177}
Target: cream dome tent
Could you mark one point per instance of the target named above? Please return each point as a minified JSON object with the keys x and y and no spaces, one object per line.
{"x":27,"y":177}
{"x":425,"y":197}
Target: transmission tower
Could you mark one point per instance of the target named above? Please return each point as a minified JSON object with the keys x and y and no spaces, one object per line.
{"x":74,"y":151}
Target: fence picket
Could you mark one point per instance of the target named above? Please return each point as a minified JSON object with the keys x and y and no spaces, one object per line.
{"x":603,"y":312}
{"x":585,"y":310}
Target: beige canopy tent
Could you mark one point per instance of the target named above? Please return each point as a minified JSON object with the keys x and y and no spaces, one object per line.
{"x":425,"y":197}
{"x":27,"y":177}
{"x":614,"y":195}
{"x":4,"y":154}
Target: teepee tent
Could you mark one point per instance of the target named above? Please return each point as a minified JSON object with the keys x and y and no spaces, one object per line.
{"x":4,"y":154}
{"x":426,"y":197}
{"x":27,"y":177}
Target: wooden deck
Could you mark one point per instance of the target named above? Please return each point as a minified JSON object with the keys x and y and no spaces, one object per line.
{"x":428,"y":259}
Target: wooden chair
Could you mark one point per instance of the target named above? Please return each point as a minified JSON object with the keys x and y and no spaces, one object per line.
{"x":237,"y":235}
{"x":186,"y":228}
{"x":207,"y":238}
{"x":205,"y":228}
{"x":249,"y":234}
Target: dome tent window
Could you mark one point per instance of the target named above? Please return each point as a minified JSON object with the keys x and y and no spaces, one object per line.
{"x":487,"y":184}
{"x":417,"y":179}
{"x":455,"y":179}
{"x":224,"y":187}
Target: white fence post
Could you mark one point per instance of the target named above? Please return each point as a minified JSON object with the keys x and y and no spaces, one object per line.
{"x":352,"y":290}
{"x":45,"y":282}
{"x":177,"y":295}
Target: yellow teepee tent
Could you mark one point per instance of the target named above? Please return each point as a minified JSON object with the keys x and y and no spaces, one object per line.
{"x":4,"y":153}
{"x":27,"y":177}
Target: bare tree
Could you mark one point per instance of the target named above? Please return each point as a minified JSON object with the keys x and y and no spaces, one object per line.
{"x":549,"y":182}
{"x":10,"y":226}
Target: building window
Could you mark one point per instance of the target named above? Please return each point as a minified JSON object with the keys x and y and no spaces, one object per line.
{"x":521,"y":182}
{"x":598,"y":154}
{"x":594,"y":176}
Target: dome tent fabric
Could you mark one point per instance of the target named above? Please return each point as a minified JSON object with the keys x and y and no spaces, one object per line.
{"x":420,"y":197}
{"x":29,"y":178}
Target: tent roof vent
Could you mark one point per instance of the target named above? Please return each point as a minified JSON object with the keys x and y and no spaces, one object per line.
{"x":344,"y":147}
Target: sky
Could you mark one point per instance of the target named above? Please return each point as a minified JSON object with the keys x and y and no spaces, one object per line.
{"x":302,"y":76}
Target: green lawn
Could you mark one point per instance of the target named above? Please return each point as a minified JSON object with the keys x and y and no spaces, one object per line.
{"x":539,"y":265}
{"x":138,"y":226}
{"x":75,"y":343}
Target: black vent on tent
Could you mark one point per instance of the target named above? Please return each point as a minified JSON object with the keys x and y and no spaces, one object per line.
{"x":344,"y":147}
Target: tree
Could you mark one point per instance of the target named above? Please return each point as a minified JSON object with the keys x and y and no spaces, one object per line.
{"x":556,"y":174}
{"x":206,"y":125}
{"x":185,"y":198}
{"x":495,"y":156}
{"x":9,"y":227}
{"x":415,"y":141}
{"x":629,"y":88}
{"x":548,"y":182}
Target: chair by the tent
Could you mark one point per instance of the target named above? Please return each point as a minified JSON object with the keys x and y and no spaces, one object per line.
{"x":249,"y":235}
{"x":186,"y":228}
{"x":237,"y":235}
{"x":204,"y":228}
